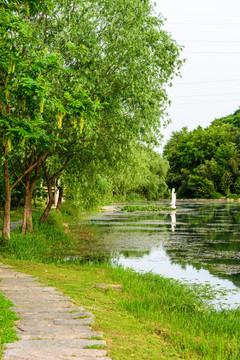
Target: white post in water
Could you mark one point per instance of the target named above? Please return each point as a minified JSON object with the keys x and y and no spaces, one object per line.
{"x":173,"y":202}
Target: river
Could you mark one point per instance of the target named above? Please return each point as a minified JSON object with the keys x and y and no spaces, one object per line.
{"x":199,"y":242}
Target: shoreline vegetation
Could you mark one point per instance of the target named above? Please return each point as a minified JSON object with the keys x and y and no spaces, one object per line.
{"x":133,"y":208}
{"x":150,"y":317}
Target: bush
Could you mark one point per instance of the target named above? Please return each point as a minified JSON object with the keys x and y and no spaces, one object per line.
{"x":216,"y":195}
{"x":233,"y":196}
{"x":134,"y":197}
{"x":202,"y":187}
{"x":71,"y":209}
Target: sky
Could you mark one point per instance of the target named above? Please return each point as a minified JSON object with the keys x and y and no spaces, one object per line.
{"x":209,"y":88}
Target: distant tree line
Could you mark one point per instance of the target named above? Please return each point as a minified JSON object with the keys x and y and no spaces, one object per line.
{"x":205,"y":163}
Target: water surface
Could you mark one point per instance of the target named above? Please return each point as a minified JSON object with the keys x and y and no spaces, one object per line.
{"x":200,"y":242}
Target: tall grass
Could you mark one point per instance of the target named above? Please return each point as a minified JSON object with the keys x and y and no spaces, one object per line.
{"x":49,"y":242}
{"x":190,"y":322}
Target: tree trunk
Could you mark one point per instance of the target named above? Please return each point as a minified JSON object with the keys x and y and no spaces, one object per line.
{"x":49,"y":186}
{"x":49,"y":204}
{"x":27,"y":225}
{"x":7,"y":204}
{"x":30,"y":184}
{"x":60,"y":197}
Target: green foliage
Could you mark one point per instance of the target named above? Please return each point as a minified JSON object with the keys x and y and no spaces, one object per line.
{"x":25,"y":60}
{"x":95,"y":178}
{"x":69,"y":210}
{"x":143,"y":171}
{"x":205,"y":162}
{"x":67,"y":89}
{"x":48,"y":243}
{"x":237,"y":185}
{"x":233,"y":196}
{"x":200,"y":187}
{"x":133,"y":197}
{"x":90,"y":190}
{"x":134,"y":208}
{"x":233,"y":119}
{"x":216,"y":195}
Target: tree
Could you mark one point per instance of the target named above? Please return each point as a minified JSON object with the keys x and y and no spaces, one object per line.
{"x":23,"y":88}
{"x":142,"y":170}
{"x":204,"y":162}
{"x":119,"y":63}
{"x":63,"y":84}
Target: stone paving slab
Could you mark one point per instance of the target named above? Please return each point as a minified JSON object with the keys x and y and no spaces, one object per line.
{"x":50,"y":326}
{"x":60,"y":336}
{"x":50,"y":322}
{"x":57,"y":315}
{"x":58,"y":310}
{"x":55,"y":345}
{"x":49,"y":357}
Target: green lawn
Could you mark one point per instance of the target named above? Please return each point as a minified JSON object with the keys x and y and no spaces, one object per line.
{"x":151,"y":318}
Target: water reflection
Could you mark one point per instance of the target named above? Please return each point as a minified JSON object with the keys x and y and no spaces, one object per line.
{"x":173,"y":220}
{"x":208,"y":236}
{"x":199,"y":241}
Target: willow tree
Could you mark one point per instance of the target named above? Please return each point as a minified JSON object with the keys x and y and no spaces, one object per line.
{"x":123,"y":58}
{"x":120,"y":56}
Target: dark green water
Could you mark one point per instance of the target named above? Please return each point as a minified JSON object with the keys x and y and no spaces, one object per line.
{"x":199,"y":242}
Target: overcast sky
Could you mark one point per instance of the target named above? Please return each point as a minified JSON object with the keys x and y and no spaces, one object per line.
{"x":210,"y":84}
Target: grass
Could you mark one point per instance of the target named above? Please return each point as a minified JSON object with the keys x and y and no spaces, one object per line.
{"x":49,"y":242}
{"x":151,"y":318}
{"x":7,"y":318}
{"x":15,"y":216}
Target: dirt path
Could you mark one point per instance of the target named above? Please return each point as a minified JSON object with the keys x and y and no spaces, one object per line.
{"x":50,"y":327}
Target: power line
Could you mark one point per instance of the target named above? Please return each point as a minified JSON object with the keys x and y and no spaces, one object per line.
{"x":207,"y":102}
{"x":204,"y":23}
{"x":212,"y":52}
{"x":191,"y":96}
{"x":211,"y":41}
{"x":208,"y":82}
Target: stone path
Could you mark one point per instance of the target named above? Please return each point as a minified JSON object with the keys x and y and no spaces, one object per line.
{"x":50,"y":327}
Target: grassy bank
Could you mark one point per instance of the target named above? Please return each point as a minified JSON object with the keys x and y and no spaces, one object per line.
{"x":149,"y":318}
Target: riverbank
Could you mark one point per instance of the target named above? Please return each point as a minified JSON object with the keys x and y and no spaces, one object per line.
{"x":147,"y":317}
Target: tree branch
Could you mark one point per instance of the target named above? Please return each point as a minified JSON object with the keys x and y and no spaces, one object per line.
{"x":42,"y":158}
{"x":100,"y":81}
{"x":15,"y":173}
{"x":62,"y":168}
{"x":37,"y":170}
